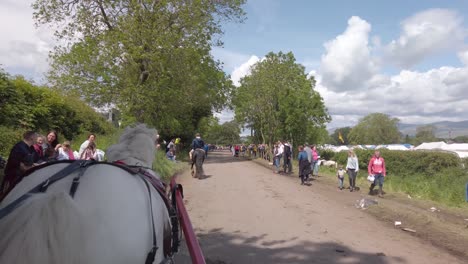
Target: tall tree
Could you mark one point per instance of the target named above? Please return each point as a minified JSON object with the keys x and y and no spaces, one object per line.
{"x":149,"y":58}
{"x":376,"y":128}
{"x":340,"y":136}
{"x":278,"y":101}
{"x":425,"y":133}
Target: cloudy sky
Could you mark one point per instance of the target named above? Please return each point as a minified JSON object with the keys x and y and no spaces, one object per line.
{"x":408,"y":59}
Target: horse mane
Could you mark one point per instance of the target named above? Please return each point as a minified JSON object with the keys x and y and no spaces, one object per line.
{"x":136,"y":146}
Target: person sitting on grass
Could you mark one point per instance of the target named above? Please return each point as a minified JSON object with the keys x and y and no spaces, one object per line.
{"x":170,"y":154}
{"x":340,"y":175}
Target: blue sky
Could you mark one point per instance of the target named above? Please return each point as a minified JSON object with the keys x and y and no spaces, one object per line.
{"x":303,"y":26}
{"x":407,"y":59}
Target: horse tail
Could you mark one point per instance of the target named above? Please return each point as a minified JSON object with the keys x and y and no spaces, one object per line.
{"x":45,"y":229}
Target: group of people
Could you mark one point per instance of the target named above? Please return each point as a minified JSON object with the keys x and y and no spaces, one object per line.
{"x":36,"y":149}
{"x":308,"y":160}
{"x":375,"y":169}
{"x":171,"y":149}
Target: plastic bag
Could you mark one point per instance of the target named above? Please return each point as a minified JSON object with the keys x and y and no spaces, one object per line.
{"x":371,"y":178}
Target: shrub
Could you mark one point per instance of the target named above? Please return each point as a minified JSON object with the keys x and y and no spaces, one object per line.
{"x":326,"y":154}
{"x":8,"y":138}
{"x":407,"y":162}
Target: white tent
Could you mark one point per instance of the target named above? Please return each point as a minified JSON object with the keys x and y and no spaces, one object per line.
{"x":341,"y":148}
{"x":431,"y":146}
{"x":395,"y":147}
{"x":460,"y":149}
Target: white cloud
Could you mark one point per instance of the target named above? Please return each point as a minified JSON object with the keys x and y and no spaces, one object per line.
{"x":230,"y":59}
{"x":225,"y":115}
{"x":463,"y":56}
{"x":347,"y":63}
{"x":352,"y":84}
{"x":243,"y":70}
{"x":413,"y":97}
{"x":23,"y":46}
{"x":424,"y":34}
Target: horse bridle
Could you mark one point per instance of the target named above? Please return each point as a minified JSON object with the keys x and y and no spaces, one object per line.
{"x":81,"y":166}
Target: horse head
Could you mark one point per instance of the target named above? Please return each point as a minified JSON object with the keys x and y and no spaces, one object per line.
{"x":136,"y":146}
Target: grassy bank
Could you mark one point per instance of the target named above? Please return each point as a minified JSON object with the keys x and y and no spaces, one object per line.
{"x":164,"y":167}
{"x":446,"y":187}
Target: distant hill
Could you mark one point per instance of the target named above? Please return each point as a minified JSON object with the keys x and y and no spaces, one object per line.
{"x":443,"y":128}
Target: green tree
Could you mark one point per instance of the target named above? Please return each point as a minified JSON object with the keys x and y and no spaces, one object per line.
{"x":376,"y":128}
{"x":461,"y":139}
{"x":344,"y":131}
{"x":149,"y":58}
{"x":278,"y":101}
{"x":425,"y":133}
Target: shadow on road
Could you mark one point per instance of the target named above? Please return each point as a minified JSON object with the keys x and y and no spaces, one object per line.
{"x":220,"y":248}
{"x":223,"y":157}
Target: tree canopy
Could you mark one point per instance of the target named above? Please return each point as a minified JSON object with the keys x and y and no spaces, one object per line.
{"x":335,"y":136}
{"x":278,"y":101}
{"x":25,"y":106}
{"x":375,"y":128}
{"x":151,"y":59}
{"x":220,"y":134}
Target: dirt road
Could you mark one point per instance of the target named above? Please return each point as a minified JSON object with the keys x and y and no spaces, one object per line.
{"x":243,"y":213}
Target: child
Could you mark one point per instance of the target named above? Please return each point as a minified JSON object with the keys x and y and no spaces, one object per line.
{"x":340,"y":174}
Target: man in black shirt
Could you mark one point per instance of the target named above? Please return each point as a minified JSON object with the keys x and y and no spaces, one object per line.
{"x":287,"y":165}
{"x":20,"y":160}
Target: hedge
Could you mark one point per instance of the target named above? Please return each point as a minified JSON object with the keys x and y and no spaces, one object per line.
{"x":406,"y":162}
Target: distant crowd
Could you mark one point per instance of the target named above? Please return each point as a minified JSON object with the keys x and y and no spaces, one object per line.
{"x":308,"y":159}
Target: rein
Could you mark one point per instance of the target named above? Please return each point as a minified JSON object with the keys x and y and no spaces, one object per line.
{"x":171,"y":244}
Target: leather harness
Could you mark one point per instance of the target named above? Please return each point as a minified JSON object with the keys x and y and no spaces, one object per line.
{"x":171,"y":243}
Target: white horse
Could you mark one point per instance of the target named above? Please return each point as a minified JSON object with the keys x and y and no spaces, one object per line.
{"x":109,"y":219}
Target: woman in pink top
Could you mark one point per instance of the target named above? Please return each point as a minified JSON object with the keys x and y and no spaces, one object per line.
{"x":377,"y":168}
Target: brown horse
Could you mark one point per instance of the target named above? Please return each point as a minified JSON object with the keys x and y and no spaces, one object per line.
{"x":198,"y":157}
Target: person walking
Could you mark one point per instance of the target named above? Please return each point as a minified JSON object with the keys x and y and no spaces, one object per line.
{"x":304,"y":165}
{"x":278,"y":156}
{"x":287,"y":164}
{"x":377,"y":168}
{"x":352,"y":167}
{"x":315,"y":161}
{"x":340,"y":175}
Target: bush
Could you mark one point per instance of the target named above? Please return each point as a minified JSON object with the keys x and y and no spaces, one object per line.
{"x":326,"y":154}
{"x":446,"y":186}
{"x":8,"y":138}
{"x":407,"y":162}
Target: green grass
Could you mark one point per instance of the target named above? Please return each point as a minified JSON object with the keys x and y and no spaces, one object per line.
{"x":167,"y":168}
{"x":446,"y":186}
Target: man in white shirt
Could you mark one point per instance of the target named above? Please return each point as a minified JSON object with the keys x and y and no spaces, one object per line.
{"x":278,"y":156}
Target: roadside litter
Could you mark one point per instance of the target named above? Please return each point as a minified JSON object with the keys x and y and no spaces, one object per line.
{"x":364,"y":203}
{"x":397,"y":223}
{"x":433,"y":209}
{"x":409,"y":230}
